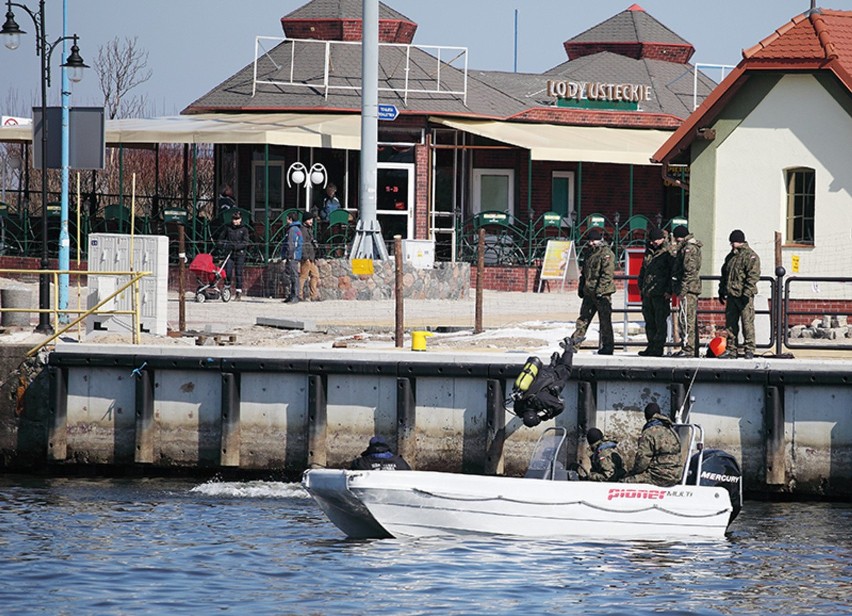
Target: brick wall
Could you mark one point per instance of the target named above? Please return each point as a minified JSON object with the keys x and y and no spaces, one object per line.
{"x":678,"y":54}
{"x":390,"y":31}
{"x":421,"y":191}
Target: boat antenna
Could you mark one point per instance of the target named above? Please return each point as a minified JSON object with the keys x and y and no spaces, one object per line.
{"x":680,"y":418}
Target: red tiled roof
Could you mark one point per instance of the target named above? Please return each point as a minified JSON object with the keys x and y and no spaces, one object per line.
{"x":821,"y":40}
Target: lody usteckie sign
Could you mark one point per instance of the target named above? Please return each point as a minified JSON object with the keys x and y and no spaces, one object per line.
{"x":596,"y":91}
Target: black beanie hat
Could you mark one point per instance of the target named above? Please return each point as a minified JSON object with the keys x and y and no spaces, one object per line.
{"x":656,"y":234}
{"x":594,"y":435}
{"x":680,"y":231}
{"x":651,"y":409}
{"x":594,"y":233}
{"x":736,"y":236}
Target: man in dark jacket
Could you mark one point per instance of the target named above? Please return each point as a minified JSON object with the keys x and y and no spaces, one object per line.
{"x":379,"y":457}
{"x":655,"y":278}
{"x":737,"y":288}
{"x":308,"y":270}
{"x":595,"y":289}
{"x":235,"y":240}
{"x":606,"y":463}
{"x":658,"y":456}
{"x":291,"y":254}
{"x":686,"y":284}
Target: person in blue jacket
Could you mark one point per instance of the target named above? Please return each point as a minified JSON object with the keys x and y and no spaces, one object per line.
{"x":291,"y":255}
{"x":379,"y":457}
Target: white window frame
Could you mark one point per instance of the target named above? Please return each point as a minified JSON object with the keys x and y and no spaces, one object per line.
{"x":409,"y":212}
{"x":477,"y":188}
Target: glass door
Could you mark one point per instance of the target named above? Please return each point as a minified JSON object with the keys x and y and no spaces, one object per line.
{"x":395,"y":200}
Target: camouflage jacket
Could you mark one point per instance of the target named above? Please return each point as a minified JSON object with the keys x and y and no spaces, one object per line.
{"x":740,"y":273}
{"x":687,"y":266}
{"x":606,"y":463}
{"x":658,"y":452}
{"x":655,"y":275}
{"x":598,"y":271}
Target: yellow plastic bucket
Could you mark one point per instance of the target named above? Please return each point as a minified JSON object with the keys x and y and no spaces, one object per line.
{"x":418,"y":340}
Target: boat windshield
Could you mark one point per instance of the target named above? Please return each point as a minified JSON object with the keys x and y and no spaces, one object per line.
{"x":548,"y":459}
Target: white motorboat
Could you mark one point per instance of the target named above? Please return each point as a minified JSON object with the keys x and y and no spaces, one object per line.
{"x":544,"y":503}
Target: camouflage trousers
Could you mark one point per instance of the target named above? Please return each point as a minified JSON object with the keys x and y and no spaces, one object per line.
{"x":603,"y":307}
{"x":739,"y":309}
{"x":688,"y":323}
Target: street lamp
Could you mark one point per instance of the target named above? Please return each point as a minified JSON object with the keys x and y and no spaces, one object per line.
{"x":11,"y":35}
{"x":300,"y":175}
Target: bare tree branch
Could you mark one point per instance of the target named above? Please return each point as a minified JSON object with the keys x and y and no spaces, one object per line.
{"x":122,"y":66}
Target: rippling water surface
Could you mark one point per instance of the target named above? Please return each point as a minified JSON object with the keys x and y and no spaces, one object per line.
{"x":156,"y":546}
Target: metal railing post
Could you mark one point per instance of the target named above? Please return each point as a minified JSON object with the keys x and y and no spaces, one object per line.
{"x":779,"y":309}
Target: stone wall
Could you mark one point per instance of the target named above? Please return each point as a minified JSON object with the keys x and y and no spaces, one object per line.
{"x":337,"y":281}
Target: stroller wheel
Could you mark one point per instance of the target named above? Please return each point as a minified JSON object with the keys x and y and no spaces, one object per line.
{"x":226,"y":294}
{"x":200,"y":297}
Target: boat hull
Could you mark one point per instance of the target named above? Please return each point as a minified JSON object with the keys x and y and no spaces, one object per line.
{"x":419,"y":504}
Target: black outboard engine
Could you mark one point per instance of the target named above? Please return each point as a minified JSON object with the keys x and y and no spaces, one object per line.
{"x":719,"y":469}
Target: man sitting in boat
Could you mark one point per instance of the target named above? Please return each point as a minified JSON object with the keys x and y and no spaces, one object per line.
{"x":606,"y":463}
{"x":658,"y":455}
{"x":379,"y":457}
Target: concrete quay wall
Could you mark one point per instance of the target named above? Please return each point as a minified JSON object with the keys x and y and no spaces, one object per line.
{"x":788,"y":422}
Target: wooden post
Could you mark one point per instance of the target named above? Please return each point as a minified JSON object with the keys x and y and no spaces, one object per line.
{"x":777,"y":249}
{"x":480,"y":267}
{"x":398,"y":291}
{"x":181,"y":281}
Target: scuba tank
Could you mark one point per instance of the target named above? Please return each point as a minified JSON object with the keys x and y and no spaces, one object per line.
{"x":527,"y":376}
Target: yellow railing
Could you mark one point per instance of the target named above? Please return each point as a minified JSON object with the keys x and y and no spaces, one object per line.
{"x":132,"y":283}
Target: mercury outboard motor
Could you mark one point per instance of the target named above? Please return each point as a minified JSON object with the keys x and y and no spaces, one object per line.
{"x":721,"y":470}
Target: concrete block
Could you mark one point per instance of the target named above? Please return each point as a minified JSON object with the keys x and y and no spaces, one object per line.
{"x":796,"y":331}
{"x":308,"y":325}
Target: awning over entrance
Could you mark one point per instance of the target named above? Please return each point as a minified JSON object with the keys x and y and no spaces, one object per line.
{"x":295,"y":129}
{"x":593,"y":144}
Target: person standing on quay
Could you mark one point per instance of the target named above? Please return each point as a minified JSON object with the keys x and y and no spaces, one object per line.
{"x":291,"y":255}
{"x":686,"y":284}
{"x":235,"y":240}
{"x":655,"y":288}
{"x":308,"y":268}
{"x":595,"y":289}
{"x":737,"y":288}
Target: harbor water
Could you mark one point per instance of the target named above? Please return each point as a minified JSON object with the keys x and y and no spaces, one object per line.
{"x":176,"y":546}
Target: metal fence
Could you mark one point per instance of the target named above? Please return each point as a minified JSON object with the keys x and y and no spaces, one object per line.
{"x":787,"y":307}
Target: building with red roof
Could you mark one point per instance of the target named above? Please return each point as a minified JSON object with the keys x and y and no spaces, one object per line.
{"x":769,"y":150}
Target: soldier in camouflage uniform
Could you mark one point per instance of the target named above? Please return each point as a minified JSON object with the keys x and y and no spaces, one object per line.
{"x":740,"y":274}
{"x":595,"y":289}
{"x":655,"y":278}
{"x":605,"y":461}
{"x":658,"y":456}
{"x":686,"y":284}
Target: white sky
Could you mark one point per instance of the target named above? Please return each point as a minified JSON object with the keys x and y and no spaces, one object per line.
{"x":194,"y":45}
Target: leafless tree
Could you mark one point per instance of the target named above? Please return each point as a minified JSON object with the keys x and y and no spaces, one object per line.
{"x":122,"y":66}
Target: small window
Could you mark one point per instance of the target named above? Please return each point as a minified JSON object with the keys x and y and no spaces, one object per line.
{"x":800,"y":205}
{"x":493,"y":189}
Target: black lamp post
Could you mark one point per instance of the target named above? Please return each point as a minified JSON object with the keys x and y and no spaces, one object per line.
{"x":11,"y":38}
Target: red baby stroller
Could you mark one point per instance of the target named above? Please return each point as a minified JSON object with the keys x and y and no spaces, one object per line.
{"x":211,"y":278}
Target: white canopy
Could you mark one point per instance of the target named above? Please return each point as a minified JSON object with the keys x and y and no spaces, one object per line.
{"x":594,"y":144}
{"x":308,"y":130}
